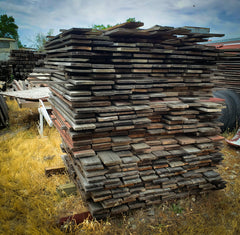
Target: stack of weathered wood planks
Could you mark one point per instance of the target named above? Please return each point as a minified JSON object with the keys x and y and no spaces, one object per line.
{"x":227,"y":73}
{"x":24,"y":61}
{"x":132,"y":107}
{"x":40,"y":76}
{"x":4,"y":118}
{"x":5,"y":71}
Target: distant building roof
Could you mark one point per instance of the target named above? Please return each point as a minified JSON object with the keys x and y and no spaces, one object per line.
{"x":228,"y":43}
{"x":7,"y":39}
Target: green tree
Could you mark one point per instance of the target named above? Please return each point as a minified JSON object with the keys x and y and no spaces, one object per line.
{"x":8,"y":28}
{"x":20,"y":45}
{"x":41,"y":39}
{"x":103,"y":27}
{"x":131,"y":20}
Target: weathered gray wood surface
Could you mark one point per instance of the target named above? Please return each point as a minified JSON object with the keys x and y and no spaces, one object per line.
{"x":31,"y":94}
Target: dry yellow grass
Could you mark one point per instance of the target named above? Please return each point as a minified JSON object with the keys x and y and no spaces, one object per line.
{"x":29,"y":203}
{"x":28,"y":199}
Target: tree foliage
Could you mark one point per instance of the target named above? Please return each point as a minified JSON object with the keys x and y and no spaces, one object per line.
{"x":20,"y":45}
{"x":131,"y":20}
{"x":103,"y":27}
{"x":41,"y":39}
{"x":8,"y":28}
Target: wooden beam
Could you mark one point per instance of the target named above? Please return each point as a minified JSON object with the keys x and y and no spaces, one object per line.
{"x":49,"y":171}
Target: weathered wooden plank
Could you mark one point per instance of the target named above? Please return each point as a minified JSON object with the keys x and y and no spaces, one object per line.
{"x":54,"y":170}
{"x":109,"y":158}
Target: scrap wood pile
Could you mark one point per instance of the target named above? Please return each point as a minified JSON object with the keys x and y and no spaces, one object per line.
{"x":132,"y":107}
{"x":227,"y":73}
{"x":40,"y":76}
{"x":26,"y":95}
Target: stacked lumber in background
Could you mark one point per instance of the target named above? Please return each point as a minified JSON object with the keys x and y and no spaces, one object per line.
{"x":4,"y":118}
{"x":24,"y":61}
{"x":21,"y":63}
{"x":227,"y":74}
{"x":5,"y":71}
{"x":132,"y":107}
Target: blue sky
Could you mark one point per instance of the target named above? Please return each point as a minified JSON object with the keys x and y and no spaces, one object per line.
{"x":38,"y":16}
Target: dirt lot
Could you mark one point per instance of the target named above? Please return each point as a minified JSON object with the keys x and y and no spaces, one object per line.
{"x":29,"y":203}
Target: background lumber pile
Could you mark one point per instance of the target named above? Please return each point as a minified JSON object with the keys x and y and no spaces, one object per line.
{"x":4,"y":118}
{"x":5,"y":71}
{"x":132,"y":109}
{"x":227,"y":73}
{"x":23,"y":62}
